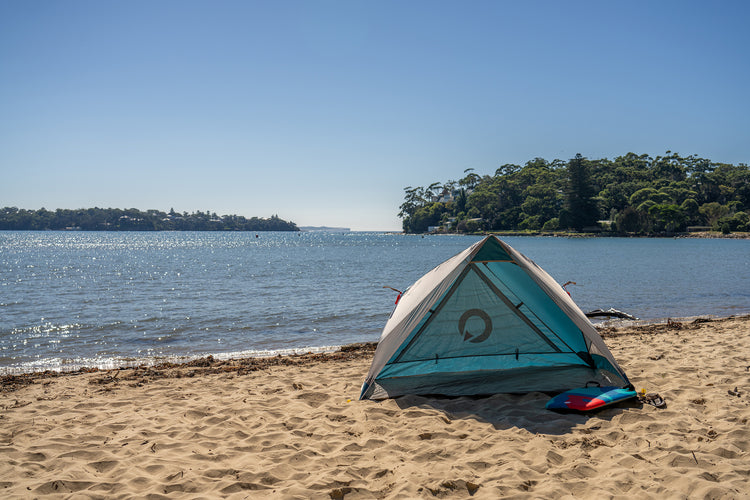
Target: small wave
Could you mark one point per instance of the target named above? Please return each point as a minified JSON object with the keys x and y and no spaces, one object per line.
{"x":110,"y":363}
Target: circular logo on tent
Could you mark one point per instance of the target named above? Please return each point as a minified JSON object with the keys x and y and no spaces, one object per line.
{"x":487,"y":325}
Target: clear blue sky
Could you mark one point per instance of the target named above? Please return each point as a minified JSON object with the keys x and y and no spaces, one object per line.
{"x":323,"y":111}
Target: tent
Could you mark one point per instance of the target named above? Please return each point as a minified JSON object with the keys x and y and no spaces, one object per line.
{"x":486,"y":321}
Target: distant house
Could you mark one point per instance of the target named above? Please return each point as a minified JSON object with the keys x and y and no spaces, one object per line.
{"x":446,"y":197}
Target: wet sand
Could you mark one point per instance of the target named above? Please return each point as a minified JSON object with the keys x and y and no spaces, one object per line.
{"x":293,"y":428}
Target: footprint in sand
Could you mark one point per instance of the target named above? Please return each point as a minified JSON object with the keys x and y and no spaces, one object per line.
{"x":103,"y":466}
{"x":314,"y":399}
{"x":59,"y":486}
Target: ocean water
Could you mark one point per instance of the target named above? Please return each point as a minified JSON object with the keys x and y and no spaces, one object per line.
{"x":105,"y":299}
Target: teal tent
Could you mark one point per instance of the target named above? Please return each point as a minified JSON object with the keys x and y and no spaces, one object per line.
{"x":488,"y":320}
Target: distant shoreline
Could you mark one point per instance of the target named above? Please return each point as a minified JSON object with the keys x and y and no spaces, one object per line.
{"x":133,"y":219}
{"x":696,"y":235}
{"x":80,"y":230}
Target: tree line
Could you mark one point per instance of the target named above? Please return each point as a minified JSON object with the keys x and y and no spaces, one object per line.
{"x":632,"y":194}
{"x":115,"y":219}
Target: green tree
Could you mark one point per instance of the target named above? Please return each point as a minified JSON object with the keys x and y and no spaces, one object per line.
{"x":551,"y":225}
{"x":580,"y":208}
{"x":424,"y":217}
{"x":668,"y":218}
{"x":690,"y":208}
{"x":712,"y":212}
{"x":471,"y":180}
{"x":413,"y":200}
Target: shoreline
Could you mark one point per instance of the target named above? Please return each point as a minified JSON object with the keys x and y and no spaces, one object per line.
{"x":69,"y":366}
{"x":200,"y":366}
{"x":715,"y":235}
{"x":300,"y":355}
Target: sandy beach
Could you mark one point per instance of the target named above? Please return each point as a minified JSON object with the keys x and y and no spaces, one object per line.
{"x":293,"y":428}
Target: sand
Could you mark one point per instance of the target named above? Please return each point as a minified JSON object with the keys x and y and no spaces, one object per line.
{"x":293,"y":428}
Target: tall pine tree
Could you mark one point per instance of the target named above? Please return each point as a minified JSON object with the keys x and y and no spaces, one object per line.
{"x":580,"y":207}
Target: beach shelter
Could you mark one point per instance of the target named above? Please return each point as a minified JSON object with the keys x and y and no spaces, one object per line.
{"x":488,"y":320}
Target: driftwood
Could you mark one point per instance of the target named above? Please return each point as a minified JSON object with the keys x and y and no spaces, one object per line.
{"x":609,"y":313}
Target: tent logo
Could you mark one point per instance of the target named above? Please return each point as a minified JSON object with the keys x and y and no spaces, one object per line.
{"x":487,"y":325}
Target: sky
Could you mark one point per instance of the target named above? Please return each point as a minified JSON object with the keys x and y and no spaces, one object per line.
{"x":322,"y":112}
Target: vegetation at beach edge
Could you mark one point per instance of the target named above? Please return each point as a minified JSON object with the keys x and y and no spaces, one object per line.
{"x":115,"y":219}
{"x":632,"y":194}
